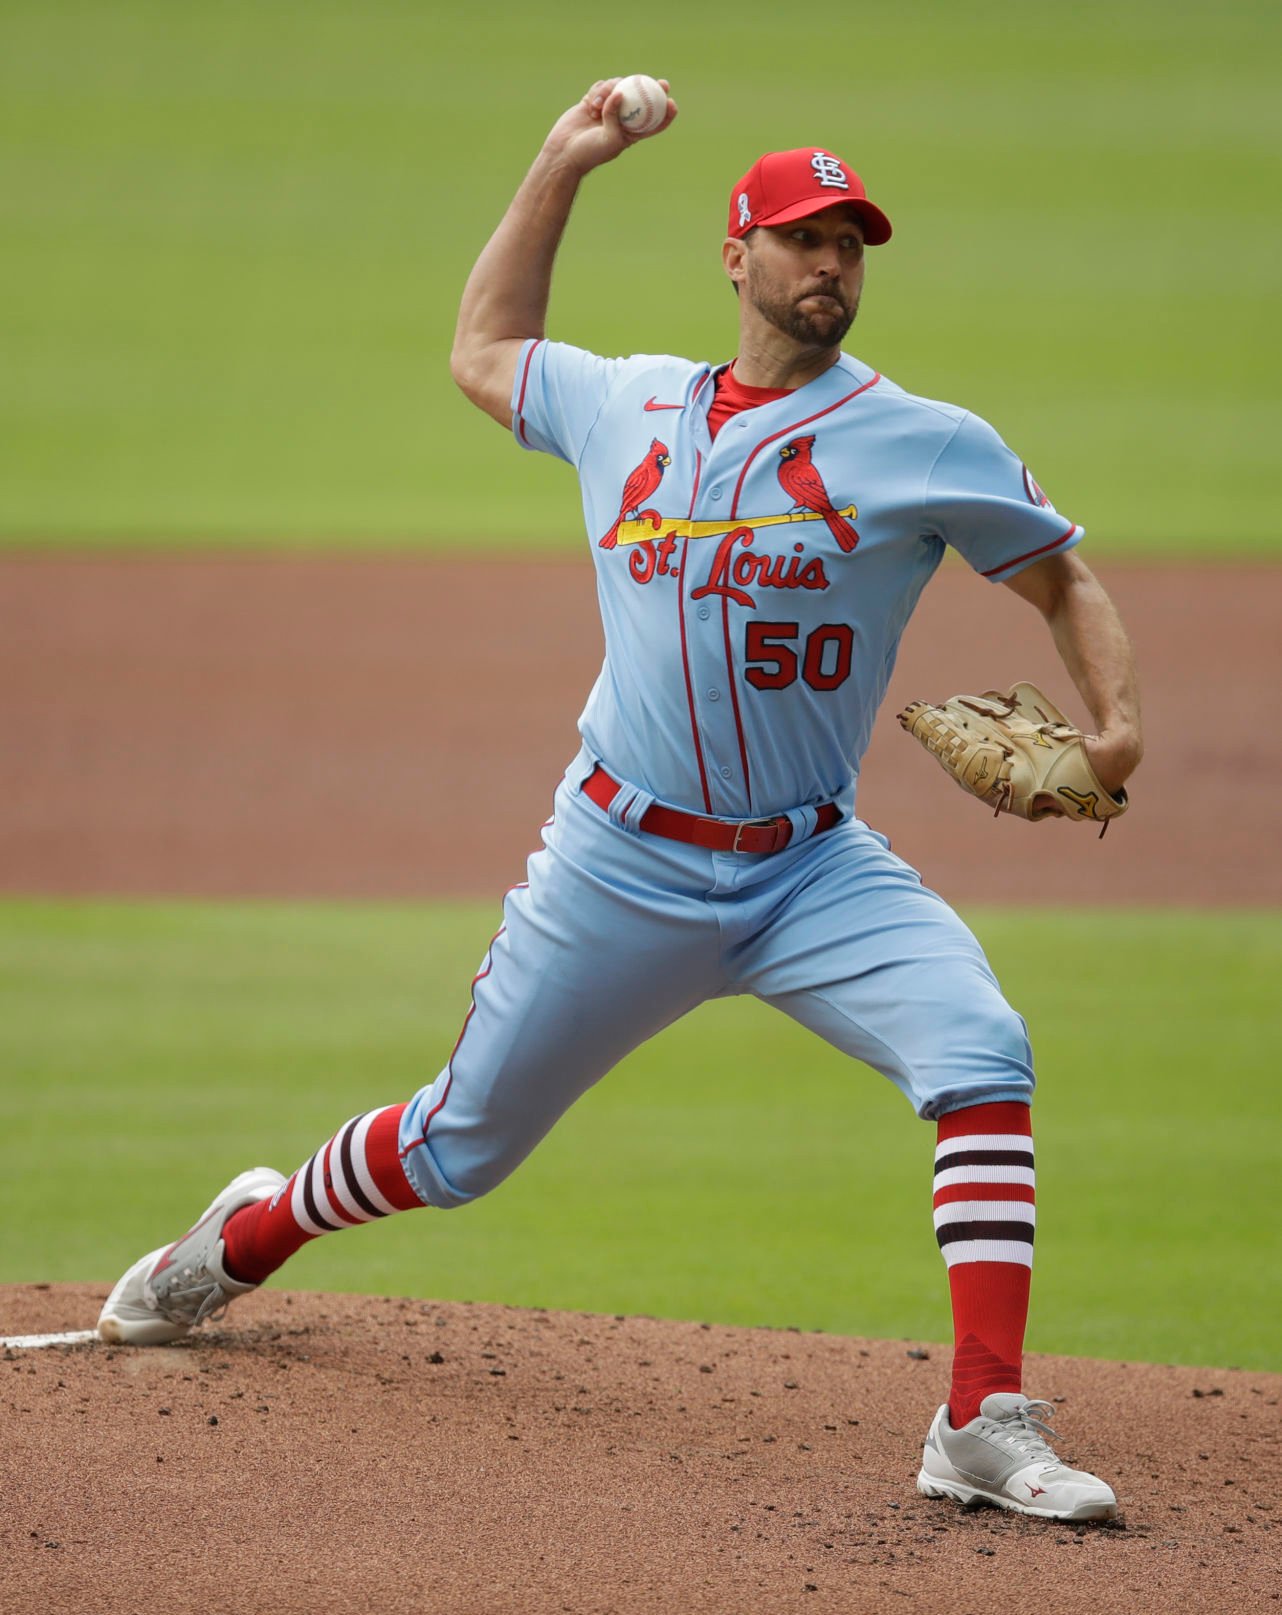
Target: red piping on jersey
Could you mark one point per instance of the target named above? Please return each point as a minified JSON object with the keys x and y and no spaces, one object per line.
{"x":525,"y":381}
{"x":1053,"y":545}
{"x":738,"y":487}
{"x":685,"y":655}
{"x":734,"y":697}
{"x":725,"y":604}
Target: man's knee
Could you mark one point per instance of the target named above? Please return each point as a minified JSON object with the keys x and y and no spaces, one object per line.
{"x":986,"y":1057}
{"x":446,"y":1176}
{"x":1003,"y":1030}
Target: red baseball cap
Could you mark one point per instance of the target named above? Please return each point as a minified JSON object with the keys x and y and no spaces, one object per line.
{"x":787,"y":185}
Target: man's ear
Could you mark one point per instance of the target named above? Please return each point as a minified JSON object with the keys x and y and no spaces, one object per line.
{"x":734,"y":255}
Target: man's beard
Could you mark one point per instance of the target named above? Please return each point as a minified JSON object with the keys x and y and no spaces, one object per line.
{"x":814,"y":330}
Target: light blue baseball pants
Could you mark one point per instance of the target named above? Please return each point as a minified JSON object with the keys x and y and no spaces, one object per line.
{"x":617,"y":933}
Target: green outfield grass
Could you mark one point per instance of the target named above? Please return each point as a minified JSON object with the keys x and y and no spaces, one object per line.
{"x":234,"y":238}
{"x":734,"y":1170}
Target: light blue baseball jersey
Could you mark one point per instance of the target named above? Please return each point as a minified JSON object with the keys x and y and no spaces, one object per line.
{"x":750,"y":638}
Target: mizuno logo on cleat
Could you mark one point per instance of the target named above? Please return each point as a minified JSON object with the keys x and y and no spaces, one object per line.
{"x":1035,"y":1491}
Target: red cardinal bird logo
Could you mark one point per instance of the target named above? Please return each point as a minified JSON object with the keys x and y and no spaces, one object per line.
{"x":639,"y":486}
{"x":805,"y":487}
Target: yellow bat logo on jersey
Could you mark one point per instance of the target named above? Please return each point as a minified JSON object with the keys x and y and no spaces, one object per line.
{"x":650,"y":522}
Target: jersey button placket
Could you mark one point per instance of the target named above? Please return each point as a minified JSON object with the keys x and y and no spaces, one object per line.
{"x":707,"y":667}
{"x":708,"y":648}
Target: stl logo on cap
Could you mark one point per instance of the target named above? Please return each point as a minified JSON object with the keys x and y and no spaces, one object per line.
{"x":784,"y":186}
{"x":828,"y":171}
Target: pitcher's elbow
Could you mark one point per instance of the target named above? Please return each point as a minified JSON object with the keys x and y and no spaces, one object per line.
{"x":463,"y":369}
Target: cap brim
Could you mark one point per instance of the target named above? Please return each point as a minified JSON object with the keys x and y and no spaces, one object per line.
{"x":877,"y":230}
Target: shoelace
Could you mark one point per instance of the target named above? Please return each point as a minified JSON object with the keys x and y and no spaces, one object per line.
{"x":196,"y":1301}
{"x":1027,"y":1429}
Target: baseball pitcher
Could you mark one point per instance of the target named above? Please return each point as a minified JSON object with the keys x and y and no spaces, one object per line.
{"x":761,"y":531}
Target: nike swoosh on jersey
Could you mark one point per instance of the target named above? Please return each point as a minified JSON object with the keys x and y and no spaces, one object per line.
{"x":651,"y":405}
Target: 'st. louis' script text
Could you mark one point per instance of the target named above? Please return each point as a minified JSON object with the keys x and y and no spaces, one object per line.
{"x":736,"y":567}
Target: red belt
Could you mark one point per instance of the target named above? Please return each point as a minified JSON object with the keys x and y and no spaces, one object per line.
{"x":717,"y":835}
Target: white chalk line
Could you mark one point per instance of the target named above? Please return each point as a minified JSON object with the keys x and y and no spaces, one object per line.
{"x":76,"y":1337}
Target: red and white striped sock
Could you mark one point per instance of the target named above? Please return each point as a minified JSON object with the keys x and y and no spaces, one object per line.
{"x":354,"y":1177}
{"x":984,"y":1222}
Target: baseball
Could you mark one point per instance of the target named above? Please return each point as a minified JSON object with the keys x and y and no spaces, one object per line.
{"x":644,"y":105}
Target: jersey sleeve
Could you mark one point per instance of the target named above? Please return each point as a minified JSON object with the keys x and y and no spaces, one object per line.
{"x":982,"y":499}
{"x":557,"y":395}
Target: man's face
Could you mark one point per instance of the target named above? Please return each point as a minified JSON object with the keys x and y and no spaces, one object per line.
{"x":806,"y":278}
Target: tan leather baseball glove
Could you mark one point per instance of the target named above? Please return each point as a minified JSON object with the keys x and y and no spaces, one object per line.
{"x":1017,"y":752}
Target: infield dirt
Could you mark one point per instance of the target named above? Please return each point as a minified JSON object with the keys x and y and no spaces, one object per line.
{"x":310,"y":726}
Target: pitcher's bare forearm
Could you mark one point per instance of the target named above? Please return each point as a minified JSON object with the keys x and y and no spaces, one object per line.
{"x":1094,"y":647}
{"x":505,"y":300}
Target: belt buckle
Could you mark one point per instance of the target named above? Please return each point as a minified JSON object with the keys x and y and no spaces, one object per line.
{"x":762,"y":824}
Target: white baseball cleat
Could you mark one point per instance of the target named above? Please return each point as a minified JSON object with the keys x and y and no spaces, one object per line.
{"x":172,"y":1290}
{"x":1002,"y":1457}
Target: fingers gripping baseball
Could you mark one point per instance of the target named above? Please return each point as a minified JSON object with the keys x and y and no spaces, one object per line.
{"x":593,"y":132}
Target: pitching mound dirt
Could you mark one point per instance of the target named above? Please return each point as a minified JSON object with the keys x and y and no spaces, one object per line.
{"x":337,"y":1453}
